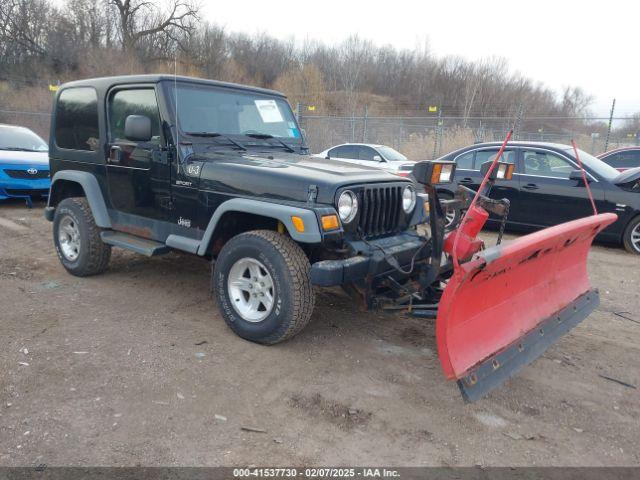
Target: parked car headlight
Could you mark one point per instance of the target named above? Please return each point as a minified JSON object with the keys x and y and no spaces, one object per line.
{"x":347,"y":206}
{"x":408,"y":198}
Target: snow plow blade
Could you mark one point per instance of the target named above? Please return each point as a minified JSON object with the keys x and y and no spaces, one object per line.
{"x":503,"y":308}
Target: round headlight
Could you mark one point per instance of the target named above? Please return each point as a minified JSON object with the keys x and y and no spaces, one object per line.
{"x":408,"y":198}
{"x":347,"y":206}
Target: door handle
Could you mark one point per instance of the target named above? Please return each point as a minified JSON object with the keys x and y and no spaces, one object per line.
{"x":115,"y":154}
{"x":531,"y":186}
{"x":466,"y":180}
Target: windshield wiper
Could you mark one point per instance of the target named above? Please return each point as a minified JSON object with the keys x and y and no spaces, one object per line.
{"x":216,"y":134}
{"x":18,"y":149}
{"x":265,"y":136}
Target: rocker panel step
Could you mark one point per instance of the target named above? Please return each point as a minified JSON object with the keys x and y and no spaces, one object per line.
{"x":143,"y":246}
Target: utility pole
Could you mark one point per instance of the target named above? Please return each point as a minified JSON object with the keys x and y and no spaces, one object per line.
{"x":606,"y":142}
{"x":518,"y":122}
{"x":438,"y":134}
{"x":364,"y":124}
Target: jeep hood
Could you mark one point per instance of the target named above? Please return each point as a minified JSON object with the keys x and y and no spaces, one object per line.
{"x":282,"y":175}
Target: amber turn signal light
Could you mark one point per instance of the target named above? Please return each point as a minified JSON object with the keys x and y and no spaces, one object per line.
{"x":298,"y":224}
{"x":330,"y":222}
{"x":434,"y":172}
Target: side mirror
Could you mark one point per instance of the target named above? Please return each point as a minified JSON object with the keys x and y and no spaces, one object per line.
{"x":577,"y":176}
{"x":502,"y":171}
{"x":137,"y":128}
{"x":429,"y":172}
{"x":377,"y":158}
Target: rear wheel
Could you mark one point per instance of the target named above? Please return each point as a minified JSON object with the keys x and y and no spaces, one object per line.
{"x":451,"y":216}
{"x":263,"y":287}
{"x":77,"y":239}
{"x":631,"y":236}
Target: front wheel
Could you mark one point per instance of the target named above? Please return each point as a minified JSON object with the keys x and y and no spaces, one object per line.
{"x":263,"y":286}
{"x":631,"y":236}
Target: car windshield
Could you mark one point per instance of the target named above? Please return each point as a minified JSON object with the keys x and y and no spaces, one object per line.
{"x":21,"y":139}
{"x":391,"y":155}
{"x":203,"y":109}
{"x":596,"y":165}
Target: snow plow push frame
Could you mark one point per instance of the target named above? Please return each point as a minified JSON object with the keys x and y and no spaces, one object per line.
{"x":503,"y":306}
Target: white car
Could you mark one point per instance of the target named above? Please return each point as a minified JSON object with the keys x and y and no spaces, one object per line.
{"x":376,"y":156}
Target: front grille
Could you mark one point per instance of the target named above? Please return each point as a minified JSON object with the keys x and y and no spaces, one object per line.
{"x":380,"y":210}
{"x":32,"y":192}
{"x":25,"y":175}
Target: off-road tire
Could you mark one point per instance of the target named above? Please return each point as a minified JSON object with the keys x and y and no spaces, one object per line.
{"x":94,"y":255}
{"x":626,"y":237}
{"x":293,"y":293}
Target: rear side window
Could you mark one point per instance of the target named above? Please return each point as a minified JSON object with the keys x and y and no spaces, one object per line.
{"x":345,"y":151}
{"x":483,"y":156}
{"x":77,"y":119}
{"x":630,"y":159}
{"x":465,"y":161}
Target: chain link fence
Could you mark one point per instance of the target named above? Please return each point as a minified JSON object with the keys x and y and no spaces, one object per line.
{"x":430,"y":137}
{"x":39,"y":122}
{"x":419,"y":138}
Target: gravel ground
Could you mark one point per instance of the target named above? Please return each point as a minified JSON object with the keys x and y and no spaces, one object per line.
{"x":136,"y":367}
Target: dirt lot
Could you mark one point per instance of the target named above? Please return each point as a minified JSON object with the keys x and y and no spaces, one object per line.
{"x":137,"y":367}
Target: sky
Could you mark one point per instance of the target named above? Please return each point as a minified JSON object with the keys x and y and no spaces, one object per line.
{"x":559,"y":43}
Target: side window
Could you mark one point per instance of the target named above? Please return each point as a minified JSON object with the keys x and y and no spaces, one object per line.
{"x":465,"y":161}
{"x":483,"y":156}
{"x":546,"y":164}
{"x":613,"y":160}
{"x":367,"y":153}
{"x":628,"y":159}
{"x":77,"y":119}
{"x":345,"y":151}
{"x":133,"y":102}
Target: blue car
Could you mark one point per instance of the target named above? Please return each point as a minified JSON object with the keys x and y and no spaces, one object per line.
{"x":24,"y":164}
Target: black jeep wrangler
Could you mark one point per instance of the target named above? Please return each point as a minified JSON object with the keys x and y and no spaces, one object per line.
{"x":154,"y":163}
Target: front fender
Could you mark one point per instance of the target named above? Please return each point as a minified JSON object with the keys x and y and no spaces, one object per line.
{"x":283,"y":213}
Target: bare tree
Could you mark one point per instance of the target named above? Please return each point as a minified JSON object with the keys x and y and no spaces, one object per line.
{"x":142,"y":20}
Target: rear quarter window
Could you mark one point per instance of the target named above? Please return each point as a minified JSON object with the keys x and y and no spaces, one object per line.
{"x":625,"y":159}
{"x":77,"y":119}
{"x":465,"y":161}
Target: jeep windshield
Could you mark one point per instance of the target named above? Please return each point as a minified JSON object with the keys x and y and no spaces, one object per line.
{"x":222,"y":111}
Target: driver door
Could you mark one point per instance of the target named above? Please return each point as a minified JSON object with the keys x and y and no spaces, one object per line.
{"x":137,"y":173}
{"x":547,"y":195}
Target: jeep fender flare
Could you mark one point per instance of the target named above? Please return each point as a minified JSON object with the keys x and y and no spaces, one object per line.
{"x":276,"y":211}
{"x":92,"y":191}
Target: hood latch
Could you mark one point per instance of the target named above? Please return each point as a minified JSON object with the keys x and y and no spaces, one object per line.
{"x":312,"y":193}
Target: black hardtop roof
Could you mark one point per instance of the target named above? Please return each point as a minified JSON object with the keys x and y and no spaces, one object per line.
{"x":104,"y":83}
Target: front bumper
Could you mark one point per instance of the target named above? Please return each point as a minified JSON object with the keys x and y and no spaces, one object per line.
{"x":23,"y":188}
{"x":369,"y":260}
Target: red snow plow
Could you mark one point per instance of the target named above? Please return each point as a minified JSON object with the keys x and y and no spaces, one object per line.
{"x":503,"y":306}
